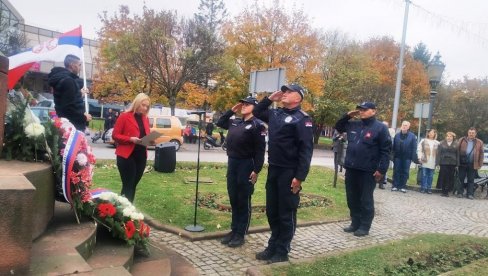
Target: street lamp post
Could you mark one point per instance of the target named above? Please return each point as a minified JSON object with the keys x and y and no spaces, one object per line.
{"x":434,"y":70}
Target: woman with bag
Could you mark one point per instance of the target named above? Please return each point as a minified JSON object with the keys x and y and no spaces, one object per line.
{"x":448,"y":159}
{"x":427,"y":153}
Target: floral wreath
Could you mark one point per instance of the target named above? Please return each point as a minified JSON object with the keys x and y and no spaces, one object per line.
{"x":74,"y":181}
{"x":72,"y":160}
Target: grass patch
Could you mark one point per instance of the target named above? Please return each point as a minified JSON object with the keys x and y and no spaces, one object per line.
{"x":96,"y":124}
{"x":427,"y":254}
{"x":166,"y":198}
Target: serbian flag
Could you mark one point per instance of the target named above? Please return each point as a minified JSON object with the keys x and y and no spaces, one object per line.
{"x":55,"y":49}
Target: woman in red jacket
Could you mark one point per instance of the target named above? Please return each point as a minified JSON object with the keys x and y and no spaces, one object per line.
{"x":129,"y":128}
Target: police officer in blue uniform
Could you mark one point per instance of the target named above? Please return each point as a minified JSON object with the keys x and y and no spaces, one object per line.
{"x":367,"y":159}
{"x":290,"y":148}
{"x":245,"y":149}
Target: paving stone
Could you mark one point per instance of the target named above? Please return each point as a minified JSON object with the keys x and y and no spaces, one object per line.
{"x":397,"y":216}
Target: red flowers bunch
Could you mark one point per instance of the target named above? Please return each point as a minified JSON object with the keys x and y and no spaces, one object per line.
{"x":130,"y":229}
{"x":106,"y":210}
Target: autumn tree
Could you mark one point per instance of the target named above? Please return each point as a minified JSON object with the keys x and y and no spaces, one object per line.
{"x":462,"y":104}
{"x":156,"y":53}
{"x":271,"y":37}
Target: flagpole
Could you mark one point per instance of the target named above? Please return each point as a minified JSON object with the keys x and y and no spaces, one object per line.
{"x":84,"y":71}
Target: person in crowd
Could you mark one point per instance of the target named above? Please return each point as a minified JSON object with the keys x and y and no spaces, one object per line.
{"x":391,"y":131}
{"x":193,"y":135}
{"x":470,"y":160}
{"x":427,"y":156}
{"x":404,"y":152}
{"x":107,"y":124}
{"x":338,"y":140}
{"x":290,"y":148}
{"x":67,"y":92}
{"x":245,"y":151}
{"x":131,"y":154}
{"x":187,"y":134}
{"x":448,"y":159}
{"x":209,"y":128}
{"x":367,"y":160}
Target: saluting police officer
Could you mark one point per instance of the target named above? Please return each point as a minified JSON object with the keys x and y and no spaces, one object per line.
{"x":245,"y":148}
{"x":290,"y":148}
{"x":367,"y":160}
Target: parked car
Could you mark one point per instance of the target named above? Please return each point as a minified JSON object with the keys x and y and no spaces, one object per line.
{"x":43,"y":113}
{"x":169,"y":126}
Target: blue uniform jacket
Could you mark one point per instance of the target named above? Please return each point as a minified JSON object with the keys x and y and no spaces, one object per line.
{"x":245,"y":139}
{"x":369,"y":144}
{"x":290,"y":133}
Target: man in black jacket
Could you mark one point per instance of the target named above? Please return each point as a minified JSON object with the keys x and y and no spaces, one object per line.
{"x":290,"y":148}
{"x":68,"y":99}
{"x":367,"y":159}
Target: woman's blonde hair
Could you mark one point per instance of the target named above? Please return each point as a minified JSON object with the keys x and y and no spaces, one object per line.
{"x":452,"y":134}
{"x":435,"y":133}
{"x":137,"y":102}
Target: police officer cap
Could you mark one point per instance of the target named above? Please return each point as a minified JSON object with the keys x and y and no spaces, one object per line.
{"x":366,"y":105}
{"x":293,"y":87}
{"x":249,"y":100}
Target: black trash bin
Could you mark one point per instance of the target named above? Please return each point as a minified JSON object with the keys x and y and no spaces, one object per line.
{"x":165,"y":158}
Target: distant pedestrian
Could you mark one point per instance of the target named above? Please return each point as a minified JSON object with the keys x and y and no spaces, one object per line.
{"x":448,"y":159}
{"x":209,"y":128}
{"x":367,"y":160}
{"x":427,"y":154}
{"x":404,"y":152}
{"x":290,"y":148}
{"x":470,"y":160}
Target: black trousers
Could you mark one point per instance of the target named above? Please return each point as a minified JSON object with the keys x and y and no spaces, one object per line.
{"x":468,"y":171}
{"x":446,"y":179}
{"x":240,"y":190}
{"x":131,"y":170}
{"x":360,"y":187}
{"x":281,"y":208}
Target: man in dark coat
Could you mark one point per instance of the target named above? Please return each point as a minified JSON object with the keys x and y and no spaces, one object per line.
{"x":68,"y":99}
{"x":290,"y":151}
{"x":404,"y":152}
{"x":367,"y":160}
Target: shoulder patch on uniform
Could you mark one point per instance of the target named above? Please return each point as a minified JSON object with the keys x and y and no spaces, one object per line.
{"x":308,"y":124}
{"x":304,"y":113}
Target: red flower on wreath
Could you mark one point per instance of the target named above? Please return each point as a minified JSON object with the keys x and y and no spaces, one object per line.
{"x":106,"y":209}
{"x":130,"y":229}
{"x":144,"y":229}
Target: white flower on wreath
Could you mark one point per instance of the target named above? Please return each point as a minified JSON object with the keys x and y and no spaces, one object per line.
{"x":124,"y":202}
{"x":108,"y":196}
{"x":82,"y":159}
{"x":34,"y":130}
{"x":66,"y":124}
{"x":127,"y":212}
{"x":136,"y":216}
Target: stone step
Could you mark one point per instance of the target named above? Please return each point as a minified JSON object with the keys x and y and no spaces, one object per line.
{"x":110,"y":252}
{"x":162,"y":261}
{"x":65,"y":245}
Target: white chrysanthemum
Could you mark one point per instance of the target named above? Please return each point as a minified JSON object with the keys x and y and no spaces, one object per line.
{"x":81,"y":159}
{"x":108,"y":196}
{"x":34,"y":130}
{"x":127,"y":212}
{"x":137,"y":216}
{"x":124,"y":202}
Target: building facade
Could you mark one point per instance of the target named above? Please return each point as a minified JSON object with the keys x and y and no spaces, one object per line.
{"x":36,"y":79}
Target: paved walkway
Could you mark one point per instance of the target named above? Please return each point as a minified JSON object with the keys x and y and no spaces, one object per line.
{"x":397,"y":216}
